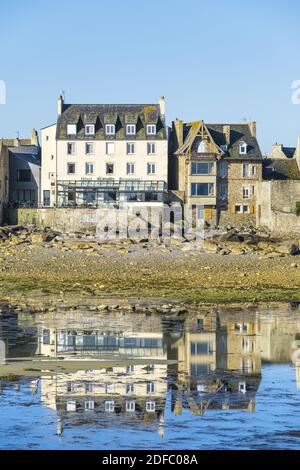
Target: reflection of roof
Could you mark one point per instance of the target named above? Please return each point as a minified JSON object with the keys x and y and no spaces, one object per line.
{"x":276,"y":169}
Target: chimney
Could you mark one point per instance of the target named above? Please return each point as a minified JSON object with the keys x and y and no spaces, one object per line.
{"x":34,"y":138}
{"x":226,"y":131}
{"x":162,"y":105}
{"x":252,"y":127}
{"x":297,"y":154}
{"x":60,"y":103}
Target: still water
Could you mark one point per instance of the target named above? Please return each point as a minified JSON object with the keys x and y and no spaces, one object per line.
{"x":212,"y":379}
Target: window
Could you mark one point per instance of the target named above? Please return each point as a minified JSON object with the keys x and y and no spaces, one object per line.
{"x":110,"y":406}
{"x":246,"y":192}
{"x":223,"y":168}
{"x":202,"y":189}
{"x":201,"y":148}
{"x":46,"y":197}
{"x":71,"y":148}
{"x":130,"y":149}
{"x":223,"y":191}
{"x":151,"y":129}
{"x":151,"y":168}
{"x":129,"y":388}
{"x":89,"y":168}
{"x":46,"y":337}
{"x":241,"y":327}
{"x":130,"y":405}
{"x":71,"y":405}
{"x":71,"y":168}
{"x":109,"y":168}
{"x":130,"y":129}
{"x":242,"y":387}
{"x":110,"y":148}
{"x":110,"y":129}
{"x":201,"y":348}
{"x":70,"y":387}
{"x":89,"y":148}
{"x":24,"y":176}
{"x":151,"y":148}
{"x":71,"y":129}
{"x":89,"y":129}
{"x":150,"y":406}
{"x":243,"y":148}
{"x":241,"y":209}
{"x":150,"y":387}
{"x":202,"y":168}
{"x":89,"y":405}
{"x":89,"y":387}
{"x":246,"y":170}
{"x":130,"y":168}
{"x":109,"y":388}
{"x":130,"y":369}
{"x":253,"y":170}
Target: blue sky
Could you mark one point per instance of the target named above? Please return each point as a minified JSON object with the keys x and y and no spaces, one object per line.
{"x":218,"y":61}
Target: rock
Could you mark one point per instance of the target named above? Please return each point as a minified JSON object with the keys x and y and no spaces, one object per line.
{"x":37,"y":238}
{"x":210,"y":246}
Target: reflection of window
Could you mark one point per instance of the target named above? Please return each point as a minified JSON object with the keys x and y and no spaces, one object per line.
{"x":109,"y":388}
{"x":246,"y":192}
{"x":88,"y":387}
{"x":242,"y":387}
{"x":129,"y":388}
{"x":46,"y":196}
{"x":130,"y":405}
{"x":46,"y":336}
{"x":150,"y":387}
{"x":241,"y":327}
{"x":197,"y":370}
{"x":70,"y":387}
{"x":150,"y":406}
{"x":201,"y":348}
{"x":110,"y":406}
{"x":202,"y":189}
{"x":130,"y":369}
{"x":241,"y":209}
{"x":89,"y":405}
{"x":24,"y":176}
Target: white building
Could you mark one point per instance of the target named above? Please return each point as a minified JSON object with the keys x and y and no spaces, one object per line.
{"x":105,"y":153}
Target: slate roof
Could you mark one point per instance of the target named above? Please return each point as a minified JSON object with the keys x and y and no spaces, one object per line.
{"x":289,"y":152}
{"x":30,"y":152}
{"x":276,"y":169}
{"x":239,"y":133}
{"x":118,"y":114}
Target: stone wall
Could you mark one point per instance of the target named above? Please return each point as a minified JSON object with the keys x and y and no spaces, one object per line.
{"x":276,"y":202}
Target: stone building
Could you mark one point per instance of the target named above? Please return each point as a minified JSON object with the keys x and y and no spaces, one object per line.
{"x":216,"y":167}
{"x":107,"y":153}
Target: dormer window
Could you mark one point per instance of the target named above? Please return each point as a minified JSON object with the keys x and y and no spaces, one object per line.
{"x":201,"y":147}
{"x":71,"y":129}
{"x":151,"y":129}
{"x":243,"y":148}
{"x":130,"y":129}
{"x":89,"y":129}
{"x":110,"y":129}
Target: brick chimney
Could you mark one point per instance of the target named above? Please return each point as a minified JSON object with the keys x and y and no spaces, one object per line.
{"x":60,"y":103}
{"x":34,"y":138}
{"x":162,"y":105}
{"x":226,"y":132}
{"x":252,"y":127}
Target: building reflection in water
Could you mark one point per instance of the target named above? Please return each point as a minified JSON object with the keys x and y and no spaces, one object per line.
{"x":129,"y":365}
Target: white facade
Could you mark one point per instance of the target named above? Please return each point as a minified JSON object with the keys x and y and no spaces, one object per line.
{"x":87,"y":157}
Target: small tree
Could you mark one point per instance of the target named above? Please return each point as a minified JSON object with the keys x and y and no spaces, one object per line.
{"x":298,"y":208}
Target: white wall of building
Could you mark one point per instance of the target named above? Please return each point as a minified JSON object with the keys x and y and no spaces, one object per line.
{"x":49,"y":163}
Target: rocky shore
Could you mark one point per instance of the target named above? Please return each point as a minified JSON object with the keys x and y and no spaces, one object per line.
{"x":230,"y":266}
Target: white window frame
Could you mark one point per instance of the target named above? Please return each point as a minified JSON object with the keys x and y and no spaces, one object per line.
{"x":89,"y":172}
{"x":110,"y":129}
{"x":150,"y":406}
{"x":130,"y":129}
{"x":71,"y":146}
{"x":243,"y":148}
{"x":241,"y":212}
{"x":129,"y":388}
{"x":242,"y":387}
{"x":109,"y":406}
{"x":150,"y":387}
{"x":150,"y":166}
{"x":89,"y":129}
{"x":246,"y":192}
{"x":129,"y":166}
{"x":246,"y":174}
{"x":130,"y":147}
{"x":151,"y":148}
{"x":110,"y":148}
{"x":71,"y":130}
{"x":151,"y":129}
{"x":89,"y":405}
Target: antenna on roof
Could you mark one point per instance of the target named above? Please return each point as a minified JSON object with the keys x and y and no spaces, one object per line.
{"x":18,"y":134}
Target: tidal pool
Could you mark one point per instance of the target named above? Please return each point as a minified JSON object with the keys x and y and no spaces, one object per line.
{"x":217,"y":378}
